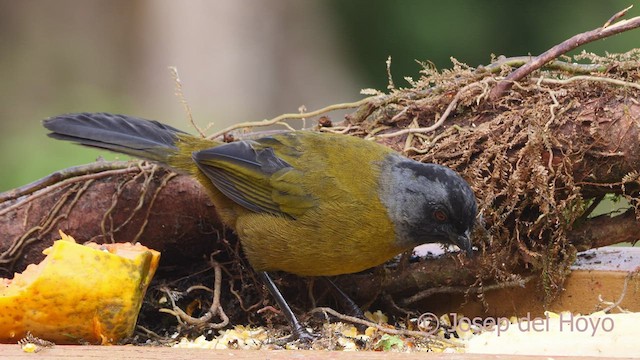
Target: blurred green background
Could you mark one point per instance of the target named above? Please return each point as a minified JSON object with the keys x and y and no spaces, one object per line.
{"x":242,"y":60}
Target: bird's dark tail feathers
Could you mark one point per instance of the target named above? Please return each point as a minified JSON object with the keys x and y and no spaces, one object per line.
{"x":129,"y":135}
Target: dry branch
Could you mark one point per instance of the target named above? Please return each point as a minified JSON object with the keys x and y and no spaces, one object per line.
{"x":608,"y":29}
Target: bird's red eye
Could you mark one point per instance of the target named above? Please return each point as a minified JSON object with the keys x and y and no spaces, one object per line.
{"x":440,"y":215}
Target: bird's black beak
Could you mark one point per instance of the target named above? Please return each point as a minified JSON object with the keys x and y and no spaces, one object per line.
{"x":463,"y":242}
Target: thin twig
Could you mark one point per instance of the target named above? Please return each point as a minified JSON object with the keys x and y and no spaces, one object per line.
{"x":10,"y":255}
{"x":214,"y":309}
{"x":238,"y":297}
{"x":391,"y":86}
{"x":183,"y":100}
{"x":154,"y":335}
{"x":381,"y":328}
{"x":58,"y":176}
{"x":279,"y":119}
{"x":339,"y":129}
{"x":108,"y":235}
{"x":441,"y":120}
{"x":463,"y":289}
{"x":616,"y":16}
{"x":587,"y":78}
{"x":622,"y":294}
{"x":517,"y":61}
{"x":165,"y":180}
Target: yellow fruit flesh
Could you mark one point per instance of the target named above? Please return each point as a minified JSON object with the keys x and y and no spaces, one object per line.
{"x":78,"y":294}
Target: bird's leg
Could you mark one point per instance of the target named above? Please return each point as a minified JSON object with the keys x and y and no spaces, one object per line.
{"x":298,"y":331}
{"x":345,"y":301}
{"x":348,"y":305}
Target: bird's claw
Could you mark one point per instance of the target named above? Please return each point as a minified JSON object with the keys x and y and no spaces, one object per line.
{"x":303,"y":335}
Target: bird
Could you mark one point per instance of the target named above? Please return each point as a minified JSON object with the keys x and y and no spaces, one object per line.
{"x":302,"y":202}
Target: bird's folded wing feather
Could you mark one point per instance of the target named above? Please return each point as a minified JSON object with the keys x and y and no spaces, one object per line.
{"x":251,"y":174}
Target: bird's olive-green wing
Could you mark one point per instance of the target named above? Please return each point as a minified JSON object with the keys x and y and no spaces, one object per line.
{"x":251,"y":174}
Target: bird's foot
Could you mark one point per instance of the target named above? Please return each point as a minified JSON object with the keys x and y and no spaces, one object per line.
{"x":299,"y":335}
{"x":303,"y":336}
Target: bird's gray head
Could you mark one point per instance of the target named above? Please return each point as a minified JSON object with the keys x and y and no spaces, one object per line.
{"x":427,"y":203}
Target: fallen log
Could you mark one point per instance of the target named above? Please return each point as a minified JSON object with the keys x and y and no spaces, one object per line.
{"x":540,"y":154}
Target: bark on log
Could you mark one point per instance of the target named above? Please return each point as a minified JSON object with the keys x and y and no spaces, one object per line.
{"x":158,"y":208}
